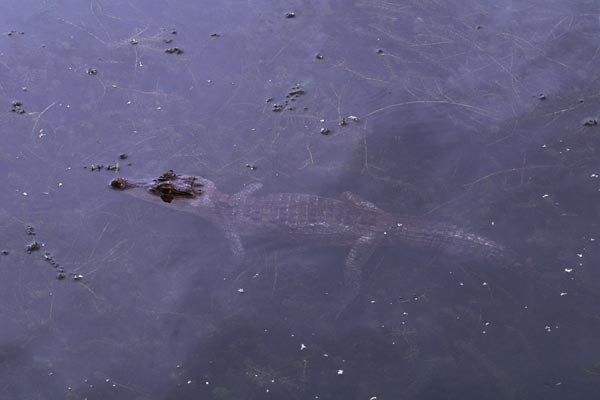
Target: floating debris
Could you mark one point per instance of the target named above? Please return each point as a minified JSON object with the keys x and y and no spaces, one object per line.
{"x":167,"y":41}
{"x":343,"y":122}
{"x":134,"y":41}
{"x":31,"y":247}
{"x":353,"y":118}
{"x":296,"y":91}
{"x":14,"y":33}
{"x":240,"y":290}
{"x":215,"y":35}
{"x":270,"y":99}
{"x":77,"y":277}
{"x":542,"y":96}
{"x":61,"y":275}
{"x":174,"y":50}
{"x":278,"y":107}
{"x":325,"y":131}
{"x":30,"y":230}
{"x":92,"y":71}
{"x":380,"y":52}
{"x":290,"y":15}
{"x":17,"y":107}
{"x":340,"y":372}
{"x":319,"y":56}
{"x":4,"y":252}
{"x":95,"y":167}
{"x":251,"y":167}
{"x":50,"y":260}
{"x":114,"y":168}
{"x":590,"y":122}
{"x":123,"y":156}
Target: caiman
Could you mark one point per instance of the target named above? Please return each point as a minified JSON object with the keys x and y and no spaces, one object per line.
{"x":350,"y":221}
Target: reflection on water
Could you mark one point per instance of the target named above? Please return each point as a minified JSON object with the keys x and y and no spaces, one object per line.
{"x":479,"y":115}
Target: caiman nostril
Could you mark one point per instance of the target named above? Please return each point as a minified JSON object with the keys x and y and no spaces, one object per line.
{"x":118,"y":183}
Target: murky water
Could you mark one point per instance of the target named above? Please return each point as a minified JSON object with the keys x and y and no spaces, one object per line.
{"x":462,"y":112}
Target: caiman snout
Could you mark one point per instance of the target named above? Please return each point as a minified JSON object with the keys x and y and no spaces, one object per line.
{"x":118,"y":183}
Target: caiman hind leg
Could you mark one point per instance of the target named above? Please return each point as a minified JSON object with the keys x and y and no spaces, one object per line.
{"x":235,"y":245}
{"x":357,"y":258}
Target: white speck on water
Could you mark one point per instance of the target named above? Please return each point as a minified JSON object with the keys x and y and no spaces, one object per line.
{"x":544,"y":146}
{"x":493,"y":223}
{"x":207,"y":383}
{"x":321,"y":120}
{"x":128,"y":102}
{"x":399,"y":224}
{"x":484,"y":284}
{"x":545,"y":195}
{"x":353,"y":118}
{"x":580,"y":255}
{"x":547,"y":328}
{"x":60,"y":184}
{"x":404,"y":313}
{"x":461,"y":284}
{"x":592,"y":239}
{"x":325,"y":355}
{"x":302,"y":346}
{"x":372,"y":301}
{"x":189,"y":382}
{"x":340,"y":372}
{"x":563,"y":293}
{"x":594,"y":176}
{"x":568,"y":270}
{"x":24,"y":193}
{"x":487,"y":323}
{"x":240,"y":290}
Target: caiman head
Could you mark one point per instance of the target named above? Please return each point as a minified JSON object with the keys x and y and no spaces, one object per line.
{"x":188,"y":193}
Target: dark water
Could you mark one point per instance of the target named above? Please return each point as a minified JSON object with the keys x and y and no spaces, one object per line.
{"x":468,"y":112}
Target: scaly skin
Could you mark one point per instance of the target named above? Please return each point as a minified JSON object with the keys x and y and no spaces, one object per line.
{"x":349,"y":221}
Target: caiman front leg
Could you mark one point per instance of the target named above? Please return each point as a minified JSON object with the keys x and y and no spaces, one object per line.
{"x":359,"y":201}
{"x":248,"y":190}
{"x":357,"y":258}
